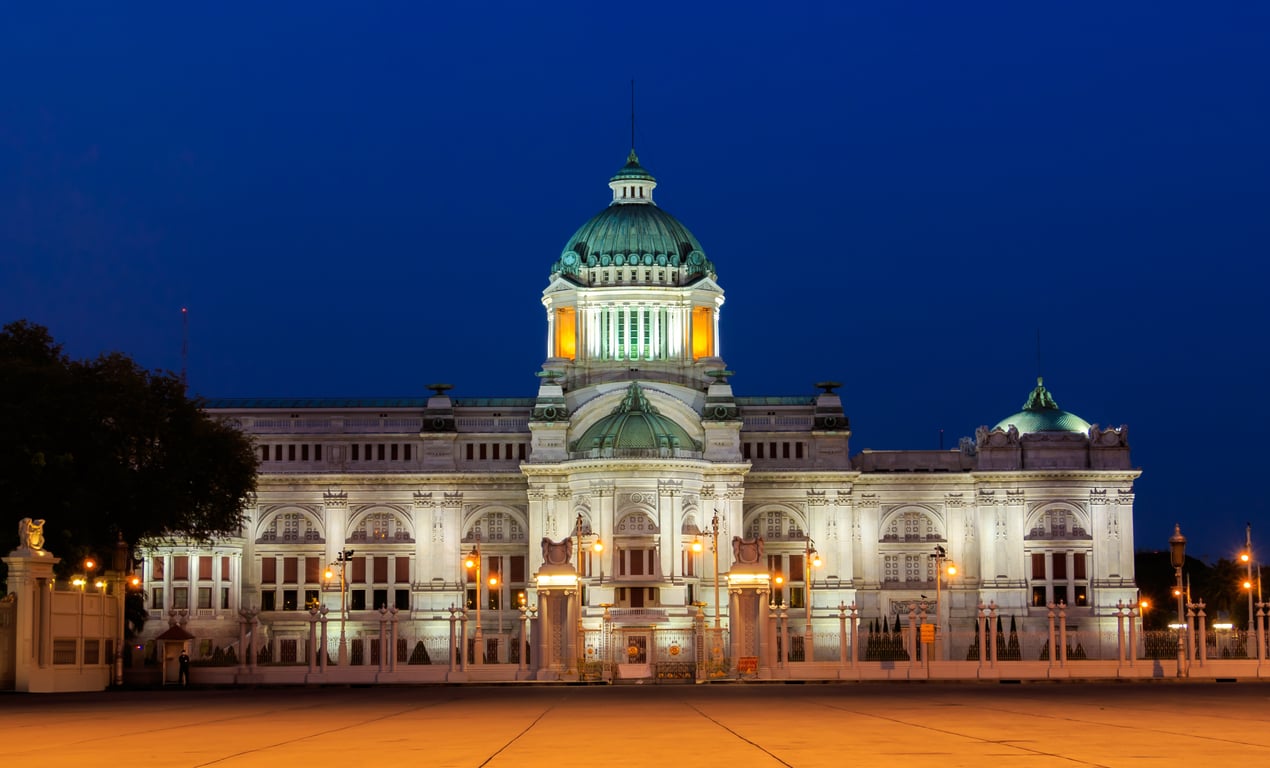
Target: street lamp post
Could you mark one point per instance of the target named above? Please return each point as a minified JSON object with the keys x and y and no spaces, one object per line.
{"x":714,"y":538}
{"x":940,"y":568}
{"x":811,"y":560}
{"x":581,"y":641}
{"x":342,"y":559}
{"x":473,"y":563}
{"x":1177,"y":557}
{"x":1246,"y":558}
{"x":121,"y":563}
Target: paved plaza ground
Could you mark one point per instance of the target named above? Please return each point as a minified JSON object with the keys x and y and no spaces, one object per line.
{"x":899,"y":724}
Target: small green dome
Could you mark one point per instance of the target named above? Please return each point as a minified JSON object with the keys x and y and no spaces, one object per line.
{"x":1041,"y":414}
{"x":634,"y":428}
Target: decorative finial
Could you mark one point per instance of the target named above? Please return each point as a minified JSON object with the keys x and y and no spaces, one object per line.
{"x":828,"y":386}
{"x":440,"y":389}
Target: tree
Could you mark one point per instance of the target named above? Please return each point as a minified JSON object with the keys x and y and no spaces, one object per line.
{"x":103,"y":449}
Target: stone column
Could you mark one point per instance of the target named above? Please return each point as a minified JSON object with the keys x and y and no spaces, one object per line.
{"x":31,"y":580}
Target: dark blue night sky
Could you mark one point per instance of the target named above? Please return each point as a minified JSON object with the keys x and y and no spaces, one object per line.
{"x":898,"y":196}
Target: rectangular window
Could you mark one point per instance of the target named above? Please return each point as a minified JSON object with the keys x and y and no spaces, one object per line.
{"x":1060,"y":565}
{"x":405,"y":452}
{"x":224,"y":598}
{"x":356,"y":452}
{"x":745,"y":451}
{"x":156,"y":599}
{"x":359,"y":570}
{"x":484,"y":451}
{"x":381,"y":599}
{"x":759,"y":446}
{"x":1078,"y":566}
{"x":268,"y":570}
{"x":224,"y":569}
{"x":65,"y":650}
{"x":277,"y":452}
{"x":520,"y":451}
{"x":312,"y":570}
{"x":798,"y":450}
{"x":471,"y":451}
{"x":496,"y":449}
{"x":357,"y":600}
{"x":312,"y":599}
{"x":267,"y":600}
{"x":784,"y":450}
{"x":181,"y":567}
{"x":379,"y":454}
{"x":495,"y":599}
{"x":1082,"y":595}
{"x":290,"y":570}
{"x":156,"y":569}
{"x":291,"y":452}
{"x":317,"y":452}
{"x":395,"y":447}
{"x":304,"y":452}
{"x":402,"y":566}
{"x":1038,"y":566}
{"x":290,"y":600}
{"x":1038,"y":597}
{"x":1060,"y":593}
{"x":264,"y":453}
{"x":381,"y":573}
{"x":205,"y":568}
{"x":517,"y":572}
{"x":180,"y":597}
{"x":205,"y":597}
{"x":772,"y":449}
{"x":795,"y":569}
{"x":401,"y":599}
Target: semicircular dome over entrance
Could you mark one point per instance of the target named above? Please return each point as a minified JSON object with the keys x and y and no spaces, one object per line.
{"x":635,"y":428}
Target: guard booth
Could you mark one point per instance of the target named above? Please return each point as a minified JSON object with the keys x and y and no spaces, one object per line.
{"x":173,"y":640}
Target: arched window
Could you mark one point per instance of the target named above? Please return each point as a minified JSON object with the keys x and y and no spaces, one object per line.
{"x":912,"y":525}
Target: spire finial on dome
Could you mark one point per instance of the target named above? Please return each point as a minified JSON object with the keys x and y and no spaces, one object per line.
{"x":1040,"y":399}
{"x":633,"y":120}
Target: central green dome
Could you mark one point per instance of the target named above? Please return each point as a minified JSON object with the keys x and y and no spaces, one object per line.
{"x":632,"y":231}
{"x":635,"y":428}
{"x":1041,"y":414}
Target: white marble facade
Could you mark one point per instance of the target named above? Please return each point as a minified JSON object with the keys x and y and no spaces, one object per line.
{"x":1029,"y":516}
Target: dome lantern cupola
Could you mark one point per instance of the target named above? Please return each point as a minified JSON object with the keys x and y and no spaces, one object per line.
{"x":632,"y":184}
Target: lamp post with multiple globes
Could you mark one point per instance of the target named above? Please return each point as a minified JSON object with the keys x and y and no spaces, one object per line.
{"x":341,"y":559}
{"x":474,"y":563}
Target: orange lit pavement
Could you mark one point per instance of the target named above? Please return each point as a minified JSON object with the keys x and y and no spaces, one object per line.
{"x":744,"y":725}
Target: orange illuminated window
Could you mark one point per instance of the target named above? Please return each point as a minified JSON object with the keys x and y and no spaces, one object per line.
{"x":702,"y":332}
{"x":566,"y":333}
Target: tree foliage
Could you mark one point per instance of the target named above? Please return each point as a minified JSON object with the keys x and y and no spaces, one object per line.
{"x":104,"y":448}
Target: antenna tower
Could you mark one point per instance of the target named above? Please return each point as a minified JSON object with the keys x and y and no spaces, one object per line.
{"x":185,"y":347}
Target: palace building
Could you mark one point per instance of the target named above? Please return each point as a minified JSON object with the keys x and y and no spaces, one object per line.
{"x":638,"y":457}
